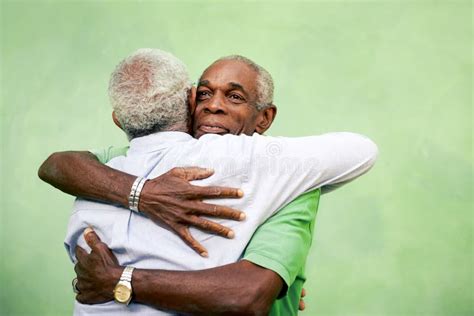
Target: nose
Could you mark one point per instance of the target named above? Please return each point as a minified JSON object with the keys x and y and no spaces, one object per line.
{"x":215,"y":105}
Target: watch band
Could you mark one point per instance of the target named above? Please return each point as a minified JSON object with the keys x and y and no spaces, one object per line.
{"x":127,"y":274}
{"x":134,"y":196}
{"x":123,"y":291}
{"x":137,"y":195}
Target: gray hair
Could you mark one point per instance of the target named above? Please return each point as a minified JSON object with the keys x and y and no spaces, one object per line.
{"x":148,"y":91}
{"x":264,"y":81}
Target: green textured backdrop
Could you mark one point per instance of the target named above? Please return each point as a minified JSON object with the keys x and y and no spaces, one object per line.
{"x":396,"y":242}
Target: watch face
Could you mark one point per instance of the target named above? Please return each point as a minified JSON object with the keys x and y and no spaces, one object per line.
{"x":122,"y":293}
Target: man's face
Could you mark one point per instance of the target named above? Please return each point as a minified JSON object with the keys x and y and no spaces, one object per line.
{"x":225,"y":100}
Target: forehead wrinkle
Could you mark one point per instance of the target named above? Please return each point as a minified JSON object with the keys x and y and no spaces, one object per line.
{"x":218,"y":77}
{"x":236,"y":85}
{"x":232,"y":85}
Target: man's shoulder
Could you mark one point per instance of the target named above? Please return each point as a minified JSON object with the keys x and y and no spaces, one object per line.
{"x":104,"y":155}
{"x":232,"y":140}
{"x":226,"y":141}
{"x":228,"y":137}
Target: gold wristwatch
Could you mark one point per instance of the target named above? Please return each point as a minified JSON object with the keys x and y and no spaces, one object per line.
{"x":123,"y":290}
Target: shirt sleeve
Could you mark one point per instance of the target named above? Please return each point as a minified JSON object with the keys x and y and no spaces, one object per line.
{"x":282,"y":168}
{"x":327,"y":159}
{"x":104,"y":155}
{"x":282,"y":243}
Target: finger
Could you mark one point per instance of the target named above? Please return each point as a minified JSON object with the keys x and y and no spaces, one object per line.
{"x":200,"y":208}
{"x":80,"y":298}
{"x":211,"y":227}
{"x":91,"y":237}
{"x":301,"y":305}
{"x":303,"y":292}
{"x":83,"y":285}
{"x":195,"y":173}
{"x":83,"y":299}
{"x":81,"y":254}
{"x":77,"y":268}
{"x":191,"y":173}
{"x":186,"y":236}
{"x":79,"y":285}
{"x":215,"y":192}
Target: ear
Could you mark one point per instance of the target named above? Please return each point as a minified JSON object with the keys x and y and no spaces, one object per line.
{"x":192,"y":100}
{"x":265,"y":119}
{"x":116,"y":121}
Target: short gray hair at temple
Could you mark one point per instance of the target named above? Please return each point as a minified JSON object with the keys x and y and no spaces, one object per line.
{"x":148,"y":91}
{"x":264,"y":81}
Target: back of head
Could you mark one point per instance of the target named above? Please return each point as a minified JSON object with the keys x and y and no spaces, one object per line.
{"x":148,"y":91}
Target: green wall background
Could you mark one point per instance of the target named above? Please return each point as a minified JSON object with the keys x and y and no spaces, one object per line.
{"x":396,"y":242}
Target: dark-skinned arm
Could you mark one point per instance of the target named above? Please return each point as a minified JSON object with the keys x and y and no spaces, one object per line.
{"x":97,"y":272}
{"x":241,"y":288}
{"x":80,"y":173}
{"x":168,"y":199}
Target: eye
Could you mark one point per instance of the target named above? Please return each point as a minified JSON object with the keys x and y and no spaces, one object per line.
{"x":236,"y":97}
{"x":203,"y":95}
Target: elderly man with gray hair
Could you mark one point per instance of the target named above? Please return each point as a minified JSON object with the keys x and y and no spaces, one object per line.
{"x":153,"y":86}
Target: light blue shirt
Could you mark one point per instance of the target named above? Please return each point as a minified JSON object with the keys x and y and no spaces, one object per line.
{"x":271,"y":171}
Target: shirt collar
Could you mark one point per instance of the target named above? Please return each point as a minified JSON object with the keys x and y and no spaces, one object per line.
{"x":158,"y":140}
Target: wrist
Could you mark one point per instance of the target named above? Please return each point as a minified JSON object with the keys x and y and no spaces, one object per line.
{"x":121,"y":189}
{"x":114,"y":274}
{"x":135,"y":193}
{"x":143,"y":198}
{"x":151,"y":199}
{"x":111,"y":280}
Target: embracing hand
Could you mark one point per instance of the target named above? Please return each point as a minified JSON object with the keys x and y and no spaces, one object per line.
{"x":302,"y":305}
{"x":97,"y":272}
{"x":171,"y":200}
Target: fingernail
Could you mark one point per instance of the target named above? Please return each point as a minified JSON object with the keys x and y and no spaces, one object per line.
{"x":204,"y":254}
{"x":240,"y":193}
{"x":210,"y":170}
{"x":88,"y":230}
{"x":230,"y":234}
{"x":242,"y":216}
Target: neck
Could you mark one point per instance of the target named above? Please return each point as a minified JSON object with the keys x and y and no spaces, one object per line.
{"x":179,"y":127}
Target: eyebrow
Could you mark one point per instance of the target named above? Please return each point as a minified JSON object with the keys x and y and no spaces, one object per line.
{"x":233,"y":85}
{"x":236,"y":86}
{"x":203,"y":83}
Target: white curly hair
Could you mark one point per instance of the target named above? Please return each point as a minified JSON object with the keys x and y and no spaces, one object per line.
{"x":148,"y":91}
{"x":264,"y":81}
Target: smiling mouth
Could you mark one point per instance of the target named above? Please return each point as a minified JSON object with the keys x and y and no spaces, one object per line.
{"x":208,"y":129}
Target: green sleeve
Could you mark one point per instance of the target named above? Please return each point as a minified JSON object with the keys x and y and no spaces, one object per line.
{"x":105,"y":154}
{"x":282,"y":243}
